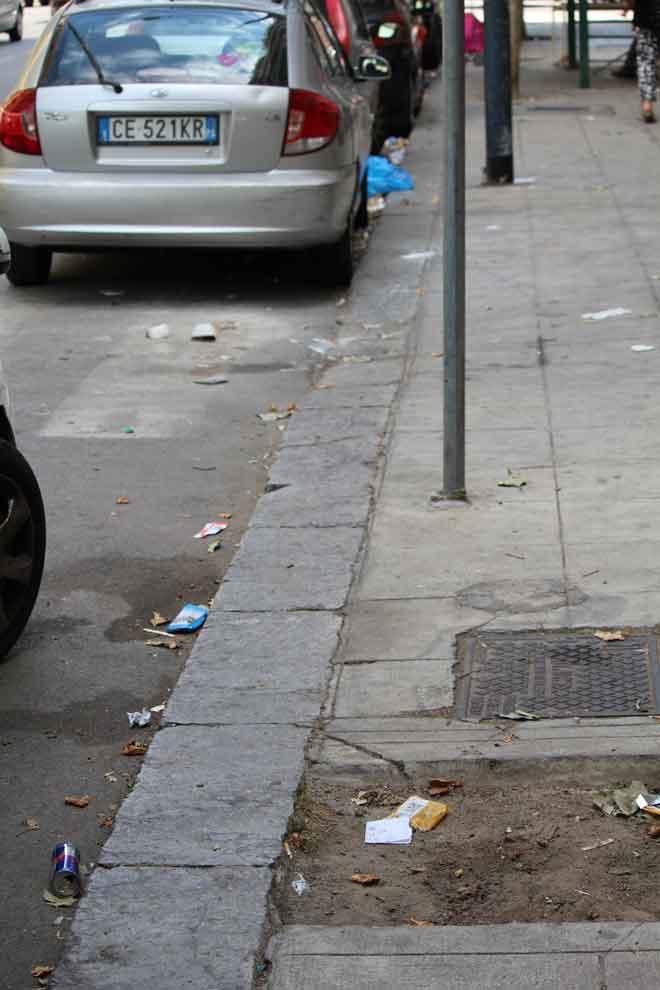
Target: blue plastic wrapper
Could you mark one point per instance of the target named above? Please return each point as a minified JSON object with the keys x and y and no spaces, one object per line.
{"x":383,"y":178}
{"x":190,"y":619}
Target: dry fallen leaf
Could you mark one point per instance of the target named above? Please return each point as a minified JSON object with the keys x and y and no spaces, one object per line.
{"x":77,"y":802}
{"x":420,"y":924}
{"x":653,"y":831}
{"x":134,"y":748}
{"x":509,"y":739}
{"x":122,"y":500}
{"x":223,"y":515}
{"x":39,"y":971}
{"x":32,"y":824}
{"x":442,"y":785}
{"x":325,"y":385}
{"x":365,"y":879}
{"x":106,"y":822}
{"x":164,"y":644}
{"x":158,"y":620}
{"x":608,"y":637}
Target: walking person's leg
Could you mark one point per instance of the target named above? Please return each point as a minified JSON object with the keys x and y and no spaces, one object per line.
{"x":647,"y":56}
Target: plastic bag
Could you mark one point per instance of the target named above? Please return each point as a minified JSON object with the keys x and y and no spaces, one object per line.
{"x":383,"y":178}
{"x":474,"y":35}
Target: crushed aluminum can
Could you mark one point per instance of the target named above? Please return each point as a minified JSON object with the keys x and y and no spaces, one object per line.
{"x":65,"y":871}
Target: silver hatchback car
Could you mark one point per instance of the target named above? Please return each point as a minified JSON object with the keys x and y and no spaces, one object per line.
{"x":212,"y":123}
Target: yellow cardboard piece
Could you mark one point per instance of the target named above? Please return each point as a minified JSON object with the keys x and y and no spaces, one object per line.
{"x":429,"y":817}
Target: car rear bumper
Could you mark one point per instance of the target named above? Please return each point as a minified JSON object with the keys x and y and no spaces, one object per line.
{"x":282,"y":208}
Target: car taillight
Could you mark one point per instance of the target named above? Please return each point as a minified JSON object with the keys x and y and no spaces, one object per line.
{"x":312,"y":123}
{"x":18,"y":123}
{"x":392,"y":30}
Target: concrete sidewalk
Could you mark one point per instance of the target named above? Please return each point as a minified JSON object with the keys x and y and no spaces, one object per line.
{"x":336,"y":627}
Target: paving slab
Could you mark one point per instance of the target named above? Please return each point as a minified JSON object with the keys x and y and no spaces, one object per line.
{"x":261,"y":668}
{"x":395,"y":688}
{"x":318,"y":427}
{"x":199,"y":800}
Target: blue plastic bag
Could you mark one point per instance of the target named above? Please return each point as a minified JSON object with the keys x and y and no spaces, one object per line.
{"x":383,"y":178}
{"x":190,"y":619}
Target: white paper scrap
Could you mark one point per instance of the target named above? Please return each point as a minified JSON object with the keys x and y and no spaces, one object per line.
{"x":528,"y":180}
{"x":418,"y":255}
{"x":390,"y":831}
{"x":606,"y":314}
{"x":641,"y":801}
{"x":642,"y":347}
{"x":409,"y":807}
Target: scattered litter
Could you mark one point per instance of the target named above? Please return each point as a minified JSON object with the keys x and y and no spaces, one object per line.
{"x":158,"y":620}
{"x":287,"y":849}
{"x":510,"y":738}
{"x":620,"y":800}
{"x":640,"y":348}
{"x":122,"y":500}
{"x":204,"y":331}
{"x":77,"y":802}
{"x":32,"y":824}
{"x":321,"y":345}
{"x":437,"y":354}
{"x":213,"y":380}
{"x":189,"y":619}
{"x":597,"y":845}
{"x":110,"y":777}
{"x":64,"y":881}
{"x":653,"y":831}
{"x":213,"y":547}
{"x":158,"y":708}
{"x":418,"y":255}
{"x":138,"y":720}
{"x":458,"y":873}
{"x":417,"y":923}
{"x":301,"y":886}
{"x":410,"y":807}
{"x":134,"y":748}
{"x":395,"y":150}
{"x":375,"y":205}
{"x":160,"y":332}
{"x":519,"y":715}
{"x":591,"y":573}
{"x":211,"y":529}
{"x":512,"y":480}
{"x":609,"y":636}
{"x":493,"y":226}
{"x":365,"y":879}
{"x":528,"y":180}
{"x":58,"y":902}
{"x":606,"y":314}
{"x":39,"y":971}
{"x":324,"y":385}
{"x":383,"y":177}
{"x":127,"y":429}
{"x":341,"y":302}
{"x":199,"y":467}
{"x":516,"y":556}
{"x":274,"y":414}
{"x":443,"y":785}
{"x":388,"y":831}
{"x":430,"y":816}
{"x":157,"y":632}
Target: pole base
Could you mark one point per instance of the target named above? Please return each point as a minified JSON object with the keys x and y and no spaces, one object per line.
{"x":499,"y":171}
{"x":449,"y":500}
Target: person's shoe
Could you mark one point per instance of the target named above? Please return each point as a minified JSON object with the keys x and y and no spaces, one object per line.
{"x":648,"y":117}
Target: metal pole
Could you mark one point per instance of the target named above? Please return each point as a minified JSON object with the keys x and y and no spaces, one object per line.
{"x":497,"y":86}
{"x":572,"y":54}
{"x":585,"y":78}
{"x":453,"y":68}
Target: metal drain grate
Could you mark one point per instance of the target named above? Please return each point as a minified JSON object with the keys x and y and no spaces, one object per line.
{"x":556,"y":675}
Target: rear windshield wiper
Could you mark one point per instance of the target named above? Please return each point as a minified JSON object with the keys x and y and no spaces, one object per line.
{"x":94,"y":62}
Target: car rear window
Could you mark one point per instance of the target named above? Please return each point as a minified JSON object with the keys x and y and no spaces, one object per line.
{"x":219,"y":45}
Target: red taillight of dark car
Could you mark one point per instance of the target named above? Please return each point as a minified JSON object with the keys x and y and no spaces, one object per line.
{"x":312,"y":123}
{"x":18,"y":123}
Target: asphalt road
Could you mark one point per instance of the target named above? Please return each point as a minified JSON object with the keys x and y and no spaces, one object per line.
{"x":80,"y":369}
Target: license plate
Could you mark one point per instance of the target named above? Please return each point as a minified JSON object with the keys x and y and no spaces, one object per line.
{"x":168,"y":129}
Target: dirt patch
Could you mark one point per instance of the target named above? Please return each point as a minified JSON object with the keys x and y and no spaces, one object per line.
{"x":512,"y":848}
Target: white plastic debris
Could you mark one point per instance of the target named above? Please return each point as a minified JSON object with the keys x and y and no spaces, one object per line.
{"x":301,"y":886}
{"x":418,"y":255}
{"x":159,"y":332}
{"x":321,"y":345}
{"x":528,"y":180}
{"x":138,"y":720}
{"x":410,"y":807}
{"x":204,"y":331}
{"x":640,"y":348}
{"x":211,"y":529}
{"x":607,"y":314}
{"x":493,"y":226}
{"x":388,"y":831}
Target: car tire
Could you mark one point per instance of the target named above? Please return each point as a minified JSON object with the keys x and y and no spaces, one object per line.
{"x":16,"y":33}
{"x":22,"y":544}
{"x":362,"y":213}
{"x":334,"y":264}
{"x":29,"y":265}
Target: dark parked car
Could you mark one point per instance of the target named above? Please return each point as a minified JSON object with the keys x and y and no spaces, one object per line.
{"x":398,"y":37}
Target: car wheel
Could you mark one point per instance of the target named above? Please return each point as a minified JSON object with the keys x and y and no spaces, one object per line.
{"x":334,"y":264}
{"x":29,"y":265}
{"x":362,"y":213}
{"x":16,"y":33}
{"x":22,"y":543}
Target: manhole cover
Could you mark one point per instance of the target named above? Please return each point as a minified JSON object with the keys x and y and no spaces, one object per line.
{"x":556,"y":675}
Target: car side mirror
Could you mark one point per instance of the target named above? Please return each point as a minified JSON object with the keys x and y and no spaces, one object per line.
{"x":373,"y":67}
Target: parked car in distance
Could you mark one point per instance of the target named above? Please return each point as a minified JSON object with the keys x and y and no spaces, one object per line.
{"x":399,"y":39}
{"x":428,"y":12}
{"x":11,"y":18}
{"x":348,"y":22}
{"x":223,"y":123}
{"x":22,"y":522}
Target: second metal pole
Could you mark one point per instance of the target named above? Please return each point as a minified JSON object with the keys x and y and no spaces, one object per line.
{"x":453,"y":70}
{"x":497,"y":86}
